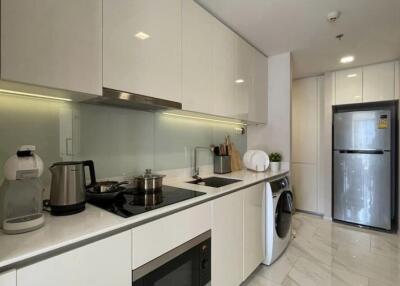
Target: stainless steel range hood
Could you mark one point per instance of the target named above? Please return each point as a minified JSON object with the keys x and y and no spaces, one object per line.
{"x":133,"y":101}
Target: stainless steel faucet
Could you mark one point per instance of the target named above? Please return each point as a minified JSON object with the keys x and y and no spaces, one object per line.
{"x":196,"y":170}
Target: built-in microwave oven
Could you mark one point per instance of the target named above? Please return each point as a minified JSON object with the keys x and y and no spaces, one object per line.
{"x":187,"y":265}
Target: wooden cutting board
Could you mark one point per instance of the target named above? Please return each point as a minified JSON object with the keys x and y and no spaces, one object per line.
{"x":236,"y":161}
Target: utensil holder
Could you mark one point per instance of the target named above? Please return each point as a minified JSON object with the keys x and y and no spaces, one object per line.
{"x":222,"y":164}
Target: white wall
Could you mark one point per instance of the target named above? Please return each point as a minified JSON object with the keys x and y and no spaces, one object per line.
{"x":275,"y":136}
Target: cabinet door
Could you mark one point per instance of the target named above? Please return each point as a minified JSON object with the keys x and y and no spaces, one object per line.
{"x":243,"y":79}
{"x":102,"y":263}
{"x":227,"y":240}
{"x":8,"y":278}
{"x":378,"y":82}
{"x":198,"y":90}
{"x":305,"y":120}
{"x":225,"y":65}
{"x":348,"y":86}
{"x":304,"y":180}
{"x":258,"y":101}
{"x":253,"y":228}
{"x":53,"y":43}
{"x":142,"y":47}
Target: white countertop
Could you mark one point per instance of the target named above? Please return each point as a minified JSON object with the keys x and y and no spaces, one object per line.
{"x":66,"y":232}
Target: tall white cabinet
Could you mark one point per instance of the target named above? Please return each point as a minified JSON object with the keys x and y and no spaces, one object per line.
{"x":305,"y":137}
{"x":53,"y":43}
{"x":142,"y":47}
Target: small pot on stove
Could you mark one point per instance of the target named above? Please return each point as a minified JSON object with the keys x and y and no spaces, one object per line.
{"x":149,"y":182}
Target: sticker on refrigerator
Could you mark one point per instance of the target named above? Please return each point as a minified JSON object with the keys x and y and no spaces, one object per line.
{"x":383,"y":122}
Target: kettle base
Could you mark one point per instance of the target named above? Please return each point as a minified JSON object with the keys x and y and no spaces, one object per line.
{"x":67,"y":210}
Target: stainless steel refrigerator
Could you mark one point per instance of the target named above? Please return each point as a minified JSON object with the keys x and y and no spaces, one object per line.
{"x":365,"y":164}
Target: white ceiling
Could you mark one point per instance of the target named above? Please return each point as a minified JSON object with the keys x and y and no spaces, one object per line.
{"x":371,"y":30}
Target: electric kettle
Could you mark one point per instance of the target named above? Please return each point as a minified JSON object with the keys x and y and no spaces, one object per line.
{"x":68,"y":186}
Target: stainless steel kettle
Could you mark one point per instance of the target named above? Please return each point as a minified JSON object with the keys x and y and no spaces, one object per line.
{"x":68,"y":186}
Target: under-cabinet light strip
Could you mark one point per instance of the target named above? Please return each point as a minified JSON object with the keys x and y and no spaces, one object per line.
{"x":33,"y":94}
{"x":205,"y":119}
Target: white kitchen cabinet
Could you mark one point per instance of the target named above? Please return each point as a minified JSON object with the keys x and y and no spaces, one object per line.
{"x":379,"y":82}
{"x":349,"y":86}
{"x":142,"y":47}
{"x":304,"y":181}
{"x":8,"y":278}
{"x":102,"y":263}
{"x":306,"y":139}
{"x":198,"y":88}
{"x":243,"y":80}
{"x":253,"y":228}
{"x":156,"y":238}
{"x":227,"y":240}
{"x":53,"y":43}
{"x":225,"y":66}
{"x":258,"y":101}
{"x":305,"y":120}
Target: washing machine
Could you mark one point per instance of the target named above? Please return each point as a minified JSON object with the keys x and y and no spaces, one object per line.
{"x":279,"y":209}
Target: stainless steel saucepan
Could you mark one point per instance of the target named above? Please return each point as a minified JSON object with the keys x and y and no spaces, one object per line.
{"x":149,"y":182}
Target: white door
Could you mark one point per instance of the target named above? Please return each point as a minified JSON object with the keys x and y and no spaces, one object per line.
{"x":142,"y":47}
{"x":198,"y":89}
{"x":258,"y":102}
{"x":253,"y":228}
{"x":53,"y":43}
{"x":8,"y":278}
{"x":227,"y":240}
{"x":305,"y":125}
{"x":348,"y":86}
{"x":243,"y":79}
{"x":102,"y":263}
{"x":225,"y":65}
{"x":378,"y":82}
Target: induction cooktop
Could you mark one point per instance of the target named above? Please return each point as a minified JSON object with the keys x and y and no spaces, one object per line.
{"x":130,"y":202}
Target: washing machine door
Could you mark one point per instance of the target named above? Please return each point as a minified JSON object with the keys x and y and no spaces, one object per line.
{"x":283,"y":214}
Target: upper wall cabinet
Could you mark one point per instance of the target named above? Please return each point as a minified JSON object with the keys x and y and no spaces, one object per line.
{"x":258,"y":101}
{"x":198,"y":87}
{"x":367,"y":84}
{"x":225,"y":66}
{"x":378,"y":82}
{"x":53,"y":43}
{"x":142,"y":47}
{"x":243,"y":79}
{"x":349,"y":86}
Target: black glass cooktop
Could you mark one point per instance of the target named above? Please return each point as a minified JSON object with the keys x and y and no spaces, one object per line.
{"x":130,"y":202}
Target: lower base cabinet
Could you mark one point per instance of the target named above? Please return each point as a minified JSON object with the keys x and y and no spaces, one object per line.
{"x":8,"y":278}
{"x":102,"y":263}
{"x":253,"y":228}
{"x":238,"y":240}
{"x":227,"y":240}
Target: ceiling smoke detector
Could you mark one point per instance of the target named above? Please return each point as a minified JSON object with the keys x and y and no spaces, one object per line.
{"x":333,"y":16}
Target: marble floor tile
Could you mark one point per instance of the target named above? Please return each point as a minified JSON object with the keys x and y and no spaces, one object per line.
{"x":327,"y":253}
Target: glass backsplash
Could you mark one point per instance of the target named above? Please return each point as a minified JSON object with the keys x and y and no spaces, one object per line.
{"x":119,"y":141}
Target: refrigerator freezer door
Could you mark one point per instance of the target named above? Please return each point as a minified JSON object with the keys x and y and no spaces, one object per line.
{"x":361,"y":190}
{"x":362,"y":130}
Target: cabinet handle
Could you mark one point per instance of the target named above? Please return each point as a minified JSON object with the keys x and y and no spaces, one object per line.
{"x":69,"y":147}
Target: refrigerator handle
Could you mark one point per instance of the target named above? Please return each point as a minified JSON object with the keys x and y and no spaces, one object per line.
{"x":377,"y":152}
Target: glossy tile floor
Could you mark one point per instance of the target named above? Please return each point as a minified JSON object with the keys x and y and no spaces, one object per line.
{"x":330,"y":254}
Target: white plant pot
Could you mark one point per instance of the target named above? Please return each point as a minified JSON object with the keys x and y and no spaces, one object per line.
{"x":275,"y":166}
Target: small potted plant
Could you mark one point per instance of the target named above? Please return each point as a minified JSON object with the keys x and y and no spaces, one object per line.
{"x":275,"y":161}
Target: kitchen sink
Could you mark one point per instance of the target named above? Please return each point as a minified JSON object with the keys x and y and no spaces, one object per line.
{"x":215,"y":182}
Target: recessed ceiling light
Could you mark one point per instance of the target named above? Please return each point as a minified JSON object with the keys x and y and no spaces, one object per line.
{"x":352,"y":75}
{"x":142,"y":36}
{"x":347,"y":59}
{"x":240,"y":80}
